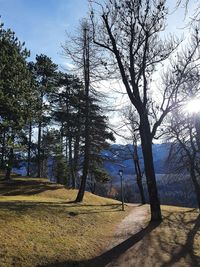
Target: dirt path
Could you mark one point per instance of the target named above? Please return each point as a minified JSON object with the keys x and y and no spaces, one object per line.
{"x":131,"y":225}
{"x":122,"y":250}
{"x":140,"y":243}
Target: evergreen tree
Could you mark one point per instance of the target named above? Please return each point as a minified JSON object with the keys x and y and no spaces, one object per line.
{"x":14,"y":91}
{"x":45,"y":74}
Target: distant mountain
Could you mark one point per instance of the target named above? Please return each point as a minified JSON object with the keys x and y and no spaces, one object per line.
{"x":121,"y":157}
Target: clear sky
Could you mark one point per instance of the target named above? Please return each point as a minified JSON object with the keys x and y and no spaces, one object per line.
{"x":42,"y":24}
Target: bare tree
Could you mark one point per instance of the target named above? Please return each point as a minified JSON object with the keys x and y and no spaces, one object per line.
{"x":194,"y":14}
{"x":184,"y":151}
{"x":133,"y":126}
{"x":131,"y":32}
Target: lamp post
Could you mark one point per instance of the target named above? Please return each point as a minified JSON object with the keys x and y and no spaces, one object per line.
{"x":122,"y":190}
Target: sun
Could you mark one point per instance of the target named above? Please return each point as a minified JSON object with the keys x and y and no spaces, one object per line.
{"x":193,"y":106}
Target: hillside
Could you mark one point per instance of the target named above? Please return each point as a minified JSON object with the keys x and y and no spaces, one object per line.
{"x":41,"y":226}
{"x":39,"y":223}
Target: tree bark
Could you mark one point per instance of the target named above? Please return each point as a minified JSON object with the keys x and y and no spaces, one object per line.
{"x":73,"y":183}
{"x":81,"y":191}
{"x":146,"y":142}
{"x":9,"y":164}
{"x":3,"y":149}
{"x":39,"y":150}
{"x":29,"y":149}
{"x":138,"y":174}
{"x":76,"y":156}
{"x":66,"y":149}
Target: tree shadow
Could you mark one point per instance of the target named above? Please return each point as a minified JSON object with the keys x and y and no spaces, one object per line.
{"x":164,"y":248}
{"x":188,"y":248}
{"x":16,"y":187}
{"x":22,"y":207}
{"x":111,"y":254}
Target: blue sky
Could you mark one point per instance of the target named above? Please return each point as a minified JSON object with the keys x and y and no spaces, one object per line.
{"x":42,"y":24}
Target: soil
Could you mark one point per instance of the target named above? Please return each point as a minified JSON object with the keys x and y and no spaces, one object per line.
{"x":137,"y":242}
{"x":134,"y":223}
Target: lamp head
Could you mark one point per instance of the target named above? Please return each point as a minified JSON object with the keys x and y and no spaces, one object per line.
{"x":120,"y":172}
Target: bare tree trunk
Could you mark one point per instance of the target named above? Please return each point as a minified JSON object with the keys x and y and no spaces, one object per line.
{"x":40,"y":136}
{"x":61,"y":138}
{"x":39,"y":150}
{"x":66,"y":149}
{"x":43,"y":164}
{"x":29,"y":149}
{"x":3,"y":149}
{"x":76,"y":156}
{"x":81,"y":192}
{"x":138,"y":174}
{"x":9,"y":164}
{"x":73,"y":184}
{"x":146,"y":142}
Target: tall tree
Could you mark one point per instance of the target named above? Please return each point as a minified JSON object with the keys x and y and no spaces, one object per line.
{"x":130,"y":32}
{"x":14,"y":91}
{"x":67,"y":105}
{"x":86,"y":70}
{"x":44,"y":71}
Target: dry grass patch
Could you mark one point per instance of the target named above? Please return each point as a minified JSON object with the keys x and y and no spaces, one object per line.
{"x":39,"y":225}
{"x":175,"y":242}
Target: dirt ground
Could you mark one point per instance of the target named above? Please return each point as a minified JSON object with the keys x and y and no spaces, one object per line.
{"x":132,"y":224}
{"x":138,"y":243}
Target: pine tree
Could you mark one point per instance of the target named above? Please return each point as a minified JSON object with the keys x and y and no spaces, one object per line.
{"x":45,"y":74}
{"x":14,"y":91}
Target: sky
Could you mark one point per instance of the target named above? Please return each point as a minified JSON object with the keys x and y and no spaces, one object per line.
{"x":42,"y":24}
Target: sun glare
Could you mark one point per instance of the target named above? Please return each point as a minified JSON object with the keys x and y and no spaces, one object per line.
{"x":193,"y":106}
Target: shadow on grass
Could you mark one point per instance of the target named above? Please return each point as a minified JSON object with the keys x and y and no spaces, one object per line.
{"x":16,"y":187}
{"x":22,"y":207}
{"x":156,"y":247}
{"x":112,"y":254}
{"x":187,"y":249}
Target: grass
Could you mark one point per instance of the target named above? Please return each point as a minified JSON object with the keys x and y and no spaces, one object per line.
{"x":40,"y":225}
{"x":174,"y":242}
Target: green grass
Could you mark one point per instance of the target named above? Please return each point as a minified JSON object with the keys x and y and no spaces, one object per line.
{"x":39,"y":224}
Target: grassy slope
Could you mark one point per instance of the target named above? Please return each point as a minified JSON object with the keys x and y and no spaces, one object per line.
{"x":39,"y":225}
